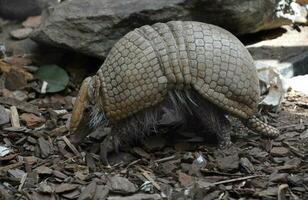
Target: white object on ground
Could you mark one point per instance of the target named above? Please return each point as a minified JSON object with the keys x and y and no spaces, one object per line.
{"x":276,"y":85}
{"x":4,"y":151}
{"x":44,"y":87}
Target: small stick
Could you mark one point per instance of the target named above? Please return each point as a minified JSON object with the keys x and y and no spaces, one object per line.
{"x":132,"y":163}
{"x":218,"y":173}
{"x":14,"y":117}
{"x":71,"y":146}
{"x":22,"y":181}
{"x":234,"y":180}
{"x":165,"y":159}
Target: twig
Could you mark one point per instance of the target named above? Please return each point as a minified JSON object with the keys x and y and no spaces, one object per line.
{"x":132,"y":163}
{"x":234,"y":180}
{"x":71,"y":146}
{"x":206,"y":171}
{"x":165,"y":159}
{"x":22,"y":181}
{"x":14,"y":117}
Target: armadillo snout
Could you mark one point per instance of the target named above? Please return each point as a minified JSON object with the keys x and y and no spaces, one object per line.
{"x":80,"y":104}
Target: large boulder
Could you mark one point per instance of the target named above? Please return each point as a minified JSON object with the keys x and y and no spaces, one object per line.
{"x":92,"y":27}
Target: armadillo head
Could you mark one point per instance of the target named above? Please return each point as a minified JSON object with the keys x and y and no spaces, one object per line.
{"x":87,"y":109}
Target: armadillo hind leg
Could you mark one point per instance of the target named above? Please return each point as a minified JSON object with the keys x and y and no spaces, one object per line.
{"x":260,"y":127}
{"x":212,"y":118}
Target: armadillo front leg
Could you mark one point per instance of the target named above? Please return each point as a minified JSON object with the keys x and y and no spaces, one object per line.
{"x":110,"y":144}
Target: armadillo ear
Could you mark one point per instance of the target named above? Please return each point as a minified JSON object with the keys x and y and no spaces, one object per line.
{"x":80,"y":104}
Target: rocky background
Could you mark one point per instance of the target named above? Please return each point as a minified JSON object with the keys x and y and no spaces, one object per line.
{"x":92,"y":27}
{"x":48,"y":47}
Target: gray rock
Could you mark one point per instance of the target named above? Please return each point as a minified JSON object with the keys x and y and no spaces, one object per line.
{"x":121,"y":185}
{"x":94,"y":30}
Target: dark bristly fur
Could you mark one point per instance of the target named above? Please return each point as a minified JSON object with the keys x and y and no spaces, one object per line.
{"x":182,"y":104}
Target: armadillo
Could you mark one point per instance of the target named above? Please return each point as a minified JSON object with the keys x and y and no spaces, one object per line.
{"x":196,"y":67}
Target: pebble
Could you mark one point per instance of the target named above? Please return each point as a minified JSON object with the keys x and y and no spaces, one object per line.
{"x":21,"y":34}
{"x":121,"y":185}
{"x":32,"y":22}
{"x":279,"y":151}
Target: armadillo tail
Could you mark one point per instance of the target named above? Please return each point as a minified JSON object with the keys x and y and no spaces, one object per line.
{"x":260,"y":127}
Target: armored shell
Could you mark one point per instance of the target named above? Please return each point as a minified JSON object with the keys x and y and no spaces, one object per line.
{"x":152,"y":60}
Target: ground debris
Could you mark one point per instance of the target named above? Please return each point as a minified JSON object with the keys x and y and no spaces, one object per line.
{"x":56,"y":168}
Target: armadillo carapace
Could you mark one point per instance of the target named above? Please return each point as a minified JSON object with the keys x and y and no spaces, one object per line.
{"x":151,"y":62}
